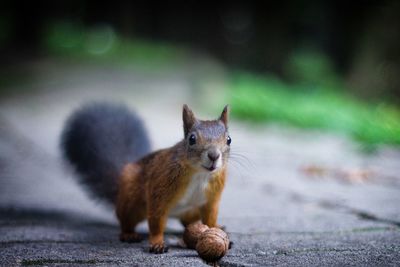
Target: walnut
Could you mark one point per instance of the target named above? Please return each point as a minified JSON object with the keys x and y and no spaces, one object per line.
{"x":212,"y":244}
{"x":192,"y":234}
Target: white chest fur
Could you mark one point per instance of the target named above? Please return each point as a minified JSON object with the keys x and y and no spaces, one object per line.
{"x":194,"y":195}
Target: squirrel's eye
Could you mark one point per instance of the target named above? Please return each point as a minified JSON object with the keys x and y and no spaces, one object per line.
{"x":229,"y":140}
{"x":192,"y":139}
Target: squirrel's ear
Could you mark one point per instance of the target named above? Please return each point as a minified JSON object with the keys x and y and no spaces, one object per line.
{"x":188,"y":119}
{"x":224,"y":115}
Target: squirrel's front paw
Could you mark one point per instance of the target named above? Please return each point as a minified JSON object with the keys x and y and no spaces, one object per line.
{"x":158,"y":248}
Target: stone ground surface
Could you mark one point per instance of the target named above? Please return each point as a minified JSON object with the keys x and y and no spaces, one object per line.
{"x":298,"y":198}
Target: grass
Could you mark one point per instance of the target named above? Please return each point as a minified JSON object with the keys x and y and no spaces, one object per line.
{"x":267,"y":99}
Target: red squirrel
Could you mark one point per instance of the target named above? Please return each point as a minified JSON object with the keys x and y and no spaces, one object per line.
{"x":109,"y":147}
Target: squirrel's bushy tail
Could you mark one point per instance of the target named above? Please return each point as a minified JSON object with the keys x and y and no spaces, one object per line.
{"x":98,"y":140}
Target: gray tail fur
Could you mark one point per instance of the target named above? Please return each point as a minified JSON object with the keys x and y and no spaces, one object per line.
{"x":98,"y":140}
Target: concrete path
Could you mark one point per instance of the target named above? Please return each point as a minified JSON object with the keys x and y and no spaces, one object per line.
{"x":293,"y":197}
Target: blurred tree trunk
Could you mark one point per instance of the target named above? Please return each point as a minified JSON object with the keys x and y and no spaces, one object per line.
{"x":375,"y":72}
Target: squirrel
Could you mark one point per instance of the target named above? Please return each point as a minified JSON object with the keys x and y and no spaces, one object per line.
{"x":109,"y":146}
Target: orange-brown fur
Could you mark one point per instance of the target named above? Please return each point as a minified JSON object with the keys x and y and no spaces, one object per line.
{"x":149,"y":188}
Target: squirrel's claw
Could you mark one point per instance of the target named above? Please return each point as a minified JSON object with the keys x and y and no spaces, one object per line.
{"x":158,"y":248}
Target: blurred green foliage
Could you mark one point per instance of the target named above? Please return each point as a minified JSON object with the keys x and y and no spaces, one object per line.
{"x":311,"y":68}
{"x":101,"y":43}
{"x":268,"y":99}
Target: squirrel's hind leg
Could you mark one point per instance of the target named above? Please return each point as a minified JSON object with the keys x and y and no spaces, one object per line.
{"x":129,"y":216}
{"x":131,"y":207}
{"x":128,"y":224}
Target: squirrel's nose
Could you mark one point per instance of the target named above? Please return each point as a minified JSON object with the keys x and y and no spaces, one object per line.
{"x":213,"y":155}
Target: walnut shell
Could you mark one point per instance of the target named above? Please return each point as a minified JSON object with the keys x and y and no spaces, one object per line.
{"x":212,"y":245}
{"x":192,"y":234}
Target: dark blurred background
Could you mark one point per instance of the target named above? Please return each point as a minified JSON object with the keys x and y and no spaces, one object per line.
{"x":360,"y":38}
{"x":332,"y":65}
